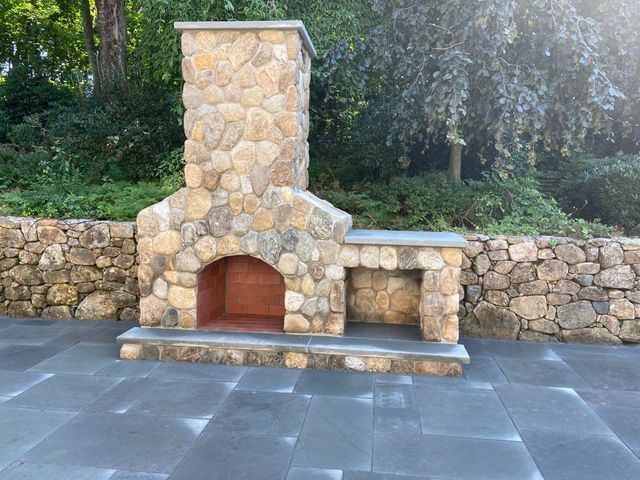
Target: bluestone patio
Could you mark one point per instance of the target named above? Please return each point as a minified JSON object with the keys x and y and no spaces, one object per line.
{"x":70,"y":409}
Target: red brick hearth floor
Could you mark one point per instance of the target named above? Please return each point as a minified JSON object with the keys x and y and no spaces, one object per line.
{"x":229,"y":322}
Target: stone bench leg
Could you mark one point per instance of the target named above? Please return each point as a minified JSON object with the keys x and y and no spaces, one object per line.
{"x":439,"y":301}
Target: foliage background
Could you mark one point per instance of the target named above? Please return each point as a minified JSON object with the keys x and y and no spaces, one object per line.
{"x":379,"y":142}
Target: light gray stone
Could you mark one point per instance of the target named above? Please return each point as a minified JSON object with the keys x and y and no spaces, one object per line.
{"x":576,"y":315}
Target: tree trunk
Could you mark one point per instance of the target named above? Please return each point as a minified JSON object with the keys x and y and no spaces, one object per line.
{"x":112,"y":53}
{"x":455,"y":162}
{"x":89,"y":40}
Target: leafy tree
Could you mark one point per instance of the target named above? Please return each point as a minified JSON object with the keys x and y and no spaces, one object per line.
{"x":514,"y":74}
{"x":44,"y":38}
{"x":156,"y":44}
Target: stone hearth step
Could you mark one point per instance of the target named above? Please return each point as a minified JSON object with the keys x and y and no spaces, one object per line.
{"x":295,"y":351}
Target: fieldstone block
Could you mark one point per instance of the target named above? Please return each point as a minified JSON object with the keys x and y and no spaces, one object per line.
{"x":576,"y":315}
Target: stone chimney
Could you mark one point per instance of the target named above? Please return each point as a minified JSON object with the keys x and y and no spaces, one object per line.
{"x":246,"y":98}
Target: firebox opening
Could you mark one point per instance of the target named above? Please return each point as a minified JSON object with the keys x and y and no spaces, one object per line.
{"x":241,"y":294}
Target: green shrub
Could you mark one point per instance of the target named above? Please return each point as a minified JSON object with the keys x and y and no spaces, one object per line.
{"x":603,"y":189}
{"x":499,"y":203}
{"x":117,"y":138}
{"x":109,"y":201}
{"x":22,"y":170}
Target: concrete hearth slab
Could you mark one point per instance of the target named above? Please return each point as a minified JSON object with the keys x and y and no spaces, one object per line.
{"x":312,"y":344}
{"x":405,"y":238}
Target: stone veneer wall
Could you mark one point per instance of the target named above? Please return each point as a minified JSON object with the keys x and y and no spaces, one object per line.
{"x":542,"y":289}
{"x":63,"y":269}
{"x":380,"y":296}
{"x":550,"y":289}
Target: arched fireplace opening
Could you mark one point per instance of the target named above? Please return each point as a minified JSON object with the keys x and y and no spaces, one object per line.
{"x":240,"y":294}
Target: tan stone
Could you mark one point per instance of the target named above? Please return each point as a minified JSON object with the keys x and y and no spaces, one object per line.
{"x":266,"y":153}
{"x":293,"y":45}
{"x":268,"y":84}
{"x":231,"y":112}
{"x":252,"y":97}
{"x":396,"y":283}
{"x":198,"y":204}
{"x":622,"y":308}
{"x":275,"y":104}
{"x":296,"y":323}
{"x":161,"y":288}
{"x":130,"y":351}
{"x":449,"y":280}
{"x":167,"y":243}
{"x":287,"y":122}
{"x":288,"y":264}
{"x":450,"y":329}
{"x":245,"y":77}
{"x":205,"y":41}
{"x":431,"y":281}
{"x":250,"y":203}
{"x":397,"y":318}
{"x":187,"y":318}
{"x":48,"y":235}
{"x":235,"y":203}
{"x":213,"y":94}
{"x":370,"y":256}
{"x":379,"y":280}
{"x":453,"y":256}
{"x":228,"y":245}
{"x":530,"y":308}
{"x":195,"y":152}
{"x":223,"y":73}
{"x":377,"y":364}
{"x":187,"y":44}
{"x":98,"y":305}
{"x":202,"y":61}
{"x":382,"y":300}
{"x":272,"y":36}
{"x":524,"y":252}
{"x":258,"y":124}
{"x":282,"y":174}
{"x":210,"y":180}
{"x":61,"y":294}
{"x":205,"y":249}
{"x":262,"y":220}
{"x":193,"y":175}
{"x":295,"y":360}
{"x":299,"y":220}
{"x":243,"y":50}
{"x":361,"y":278}
{"x":292,"y":99}
{"x":188,"y":70}
{"x":230,"y":181}
{"x":244,"y":157}
{"x":232,"y":135}
{"x":429,"y":259}
{"x":293,"y":301}
{"x":388,"y":258}
{"x":307,"y":286}
{"x":182,"y":298}
{"x":401,"y":302}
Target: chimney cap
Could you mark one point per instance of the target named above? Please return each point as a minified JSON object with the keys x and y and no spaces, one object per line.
{"x":253,"y":25}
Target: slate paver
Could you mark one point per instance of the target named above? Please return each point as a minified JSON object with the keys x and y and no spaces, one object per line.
{"x":581,"y":457}
{"x":70,"y":408}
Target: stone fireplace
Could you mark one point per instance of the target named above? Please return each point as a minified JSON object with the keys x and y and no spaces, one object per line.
{"x":245,"y":246}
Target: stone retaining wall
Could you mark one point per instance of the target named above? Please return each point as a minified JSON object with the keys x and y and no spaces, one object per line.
{"x":551,"y":289}
{"x":542,"y":289}
{"x":63,"y":269}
